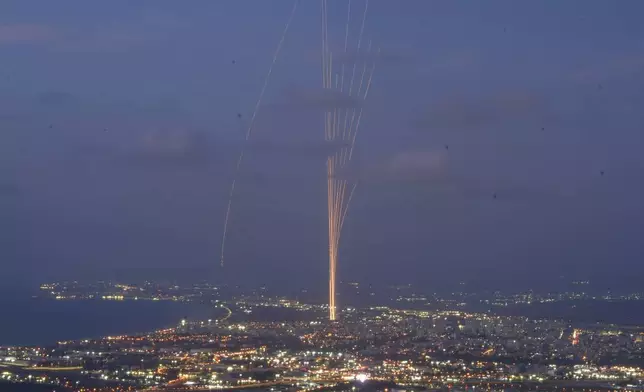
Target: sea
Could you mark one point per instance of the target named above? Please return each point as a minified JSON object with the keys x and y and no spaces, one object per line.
{"x":38,"y":321}
{"x":623,"y":313}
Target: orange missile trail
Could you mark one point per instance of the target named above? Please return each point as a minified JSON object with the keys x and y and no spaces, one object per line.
{"x":342,"y":124}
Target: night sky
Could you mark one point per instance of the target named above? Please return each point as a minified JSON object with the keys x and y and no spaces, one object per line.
{"x":119,"y":134}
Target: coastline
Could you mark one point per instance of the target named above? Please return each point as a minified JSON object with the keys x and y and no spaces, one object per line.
{"x":42,"y":321}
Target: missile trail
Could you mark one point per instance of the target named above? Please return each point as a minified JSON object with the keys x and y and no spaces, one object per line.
{"x":252,"y":124}
{"x":342,"y":123}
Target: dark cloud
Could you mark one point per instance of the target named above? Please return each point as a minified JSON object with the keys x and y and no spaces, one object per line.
{"x":379,"y":56}
{"x":298,"y":150}
{"x":126,"y":35}
{"x":123,"y":36}
{"x":56,"y":98}
{"x":318,"y":100}
{"x":619,"y":67}
{"x":504,"y":191}
{"x":103,"y":41}
{"x":170,"y":143}
{"x":406,"y":166}
{"x":416,"y":161}
{"x":369,"y":58}
{"x":472,"y":113}
{"x":182,"y":146}
{"x":160,"y":148}
{"x":434,"y":173}
{"x":26,"y":34}
{"x":12,"y":118}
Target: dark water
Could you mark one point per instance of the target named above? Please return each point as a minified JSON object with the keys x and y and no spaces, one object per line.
{"x":10,"y":387}
{"x":28,"y":321}
{"x":617,"y":312}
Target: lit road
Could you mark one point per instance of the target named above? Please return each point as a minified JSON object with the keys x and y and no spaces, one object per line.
{"x":230,"y":312}
{"x":284,"y":381}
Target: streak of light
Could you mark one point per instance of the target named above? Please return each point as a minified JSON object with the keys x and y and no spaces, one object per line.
{"x":252,"y":124}
{"x":227,"y":316}
{"x":343,"y":124}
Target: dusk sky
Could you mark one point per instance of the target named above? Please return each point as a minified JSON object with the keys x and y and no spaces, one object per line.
{"x":119,"y":134}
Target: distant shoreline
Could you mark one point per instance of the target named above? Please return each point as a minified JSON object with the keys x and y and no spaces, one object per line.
{"x":43,"y":321}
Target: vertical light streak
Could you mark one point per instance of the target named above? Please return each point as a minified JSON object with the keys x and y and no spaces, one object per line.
{"x":341,"y":124}
{"x":366,"y":94}
{"x":329,"y":132}
{"x":355,"y":63}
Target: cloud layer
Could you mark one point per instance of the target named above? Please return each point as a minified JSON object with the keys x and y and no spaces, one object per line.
{"x":26,"y":34}
{"x":472,"y":113}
